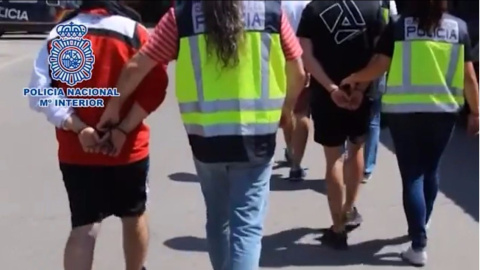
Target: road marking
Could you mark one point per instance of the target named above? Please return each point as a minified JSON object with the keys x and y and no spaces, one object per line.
{"x":14,"y":61}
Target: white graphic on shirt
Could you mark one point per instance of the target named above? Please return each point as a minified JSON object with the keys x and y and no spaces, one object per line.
{"x":349,"y":21}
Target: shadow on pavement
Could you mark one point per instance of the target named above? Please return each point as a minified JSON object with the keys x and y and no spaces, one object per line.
{"x":277,"y":183}
{"x":459,"y":170}
{"x":184,"y":177}
{"x":286,"y":249}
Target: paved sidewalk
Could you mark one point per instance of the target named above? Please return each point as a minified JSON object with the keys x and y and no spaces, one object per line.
{"x":34,"y":217}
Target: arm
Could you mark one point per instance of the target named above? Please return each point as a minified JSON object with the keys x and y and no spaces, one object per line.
{"x":134,"y":117}
{"x":471,"y":88}
{"x":380,"y":62}
{"x":149,"y":96}
{"x":475,"y":53}
{"x":314,"y":67}
{"x":470,"y":78}
{"x":73,"y":123}
{"x":378,"y":65}
{"x":295,"y":81}
{"x":306,"y":29}
{"x":160,"y":48}
{"x":294,"y":68}
{"x":132,"y":74}
{"x":40,"y":78}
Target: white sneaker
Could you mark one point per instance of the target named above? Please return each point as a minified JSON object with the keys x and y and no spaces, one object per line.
{"x":415,"y":258}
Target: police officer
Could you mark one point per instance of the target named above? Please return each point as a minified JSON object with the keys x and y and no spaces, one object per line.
{"x":231,"y":83}
{"x":389,"y":8}
{"x":428,"y":54}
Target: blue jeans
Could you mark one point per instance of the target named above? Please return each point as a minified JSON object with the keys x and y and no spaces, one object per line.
{"x":420,"y":141}
{"x":371,"y":143}
{"x":236,"y":196}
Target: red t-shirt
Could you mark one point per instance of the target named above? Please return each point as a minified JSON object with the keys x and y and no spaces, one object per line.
{"x":114,"y":41}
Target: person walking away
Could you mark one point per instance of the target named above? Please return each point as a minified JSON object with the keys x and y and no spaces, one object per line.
{"x":389,"y":8}
{"x":100,"y":185}
{"x":296,"y":133}
{"x":331,"y":52}
{"x":429,"y":58}
{"x":230,"y":85}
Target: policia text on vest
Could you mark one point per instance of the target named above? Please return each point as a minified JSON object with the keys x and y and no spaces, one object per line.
{"x":253,"y":17}
{"x":411,"y":87}
{"x":231,"y":114}
{"x":447,"y":32}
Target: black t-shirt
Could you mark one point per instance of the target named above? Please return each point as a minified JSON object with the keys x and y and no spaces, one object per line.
{"x":342,"y":34}
{"x":386,"y":43}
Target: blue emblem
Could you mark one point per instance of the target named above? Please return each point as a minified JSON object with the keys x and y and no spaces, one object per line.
{"x":71,"y":56}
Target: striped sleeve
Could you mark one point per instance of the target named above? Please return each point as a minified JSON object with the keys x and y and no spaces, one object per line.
{"x":290,"y":45}
{"x":163,"y":43}
{"x":151,"y":91}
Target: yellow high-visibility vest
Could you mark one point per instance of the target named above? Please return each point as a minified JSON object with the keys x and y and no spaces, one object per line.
{"x":221,"y":104}
{"x":386,"y":10}
{"x":427,"y":70}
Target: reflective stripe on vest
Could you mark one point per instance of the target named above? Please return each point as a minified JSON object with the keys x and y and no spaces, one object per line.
{"x":386,"y":14}
{"x":243,"y":100}
{"x":425,"y":76}
{"x":385,"y":10}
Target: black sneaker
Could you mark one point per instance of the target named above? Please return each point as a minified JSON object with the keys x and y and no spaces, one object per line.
{"x":366,"y":178}
{"x":335,"y":240}
{"x":353,"y":219}
{"x":297,"y":175}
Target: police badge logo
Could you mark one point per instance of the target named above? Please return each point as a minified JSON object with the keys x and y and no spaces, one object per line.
{"x":71,"y":56}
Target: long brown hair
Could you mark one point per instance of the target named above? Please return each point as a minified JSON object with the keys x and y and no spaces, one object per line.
{"x":427,"y":13}
{"x":224,"y":29}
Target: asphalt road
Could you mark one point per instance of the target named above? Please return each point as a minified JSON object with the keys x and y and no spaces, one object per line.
{"x":34,"y":216}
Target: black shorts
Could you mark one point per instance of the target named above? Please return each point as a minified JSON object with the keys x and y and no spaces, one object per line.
{"x":334,"y":126}
{"x":97,"y":192}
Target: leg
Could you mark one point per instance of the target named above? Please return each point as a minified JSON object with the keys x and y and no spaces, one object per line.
{"x":335,"y":185}
{"x":129,"y":189}
{"x":357,"y":125}
{"x":249,"y":190}
{"x":215,"y":189}
{"x":135,"y":241}
{"x":300,"y":137}
{"x":331,"y":134}
{"x":80,"y":245}
{"x":300,"y":134}
{"x":371,"y":144}
{"x":442,"y":127}
{"x":406,"y":133}
{"x":287,"y":124}
{"x":85,"y":189}
{"x":353,"y":172}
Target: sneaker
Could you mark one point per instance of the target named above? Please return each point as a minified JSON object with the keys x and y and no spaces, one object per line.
{"x":335,"y":240}
{"x":353,"y":219}
{"x":297,"y":175}
{"x":415,"y":258}
{"x":366,"y":177}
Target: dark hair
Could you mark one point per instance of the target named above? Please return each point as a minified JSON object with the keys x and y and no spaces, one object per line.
{"x":113,"y":7}
{"x":427,"y":13}
{"x":224,"y":29}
